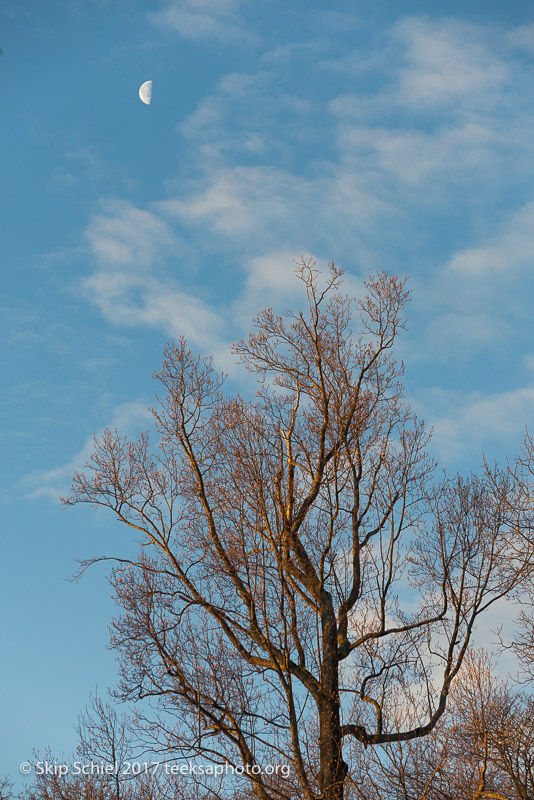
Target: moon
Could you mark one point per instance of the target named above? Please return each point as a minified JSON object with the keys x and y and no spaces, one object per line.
{"x":145,"y":92}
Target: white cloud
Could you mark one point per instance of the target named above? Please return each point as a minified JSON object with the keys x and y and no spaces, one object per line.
{"x":523,"y":38}
{"x":448,"y":61}
{"x":241,"y":118}
{"x":127,"y":236}
{"x":282,"y":54}
{"x":455,"y":336}
{"x":468,"y":423}
{"x":269,"y":281}
{"x":215,"y":20}
{"x":132,"y":286}
{"x":54,"y":483}
{"x":414,"y":156}
{"x":510,"y":250}
{"x":274,"y":273}
{"x":478,"y":303}
{"x":145,"y":300}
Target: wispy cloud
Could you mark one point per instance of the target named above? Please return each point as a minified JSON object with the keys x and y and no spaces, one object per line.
{"x":413,"y":157}
{"x":250,"y":200}
{"x":54,"y":483}
{"x":523,"y":37}
{"x":447,"y":62}
{"x":477,"y":303}
{"x":242,"y":117}
{"x":132,"y":285}
{"x":284,"y":54}
{"x":260,"y":209}
{"x":123,"y":235}
{"x":212,"y":20}
{"x":510,"y":250}
{"x":465,"y":423}
{"x":126,"y":300}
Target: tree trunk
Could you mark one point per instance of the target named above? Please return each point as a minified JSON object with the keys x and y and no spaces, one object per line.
{"x":333,"y":769}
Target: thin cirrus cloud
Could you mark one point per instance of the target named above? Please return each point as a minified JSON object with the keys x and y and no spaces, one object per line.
{"x":132,"y":285}
{"x":475,"y":148}
{"x":56,"y":482}
{"x":447,"y":61}
{"x":478,"y":304}
{"x":523,"y":38}
{"x":130,"y":302}
{"x":463,"y":420}
{"x":122,"y":235}
{"x":509,"y":251}
{"x":130,"y":245}
{"x":242,"y":116}
{"x":245,"y":200}
{"x":198,"y":20}
{"x":413,"y":157}
{"x":481,"y":297}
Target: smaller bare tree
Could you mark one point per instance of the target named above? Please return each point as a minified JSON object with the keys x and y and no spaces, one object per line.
{"x":107,"y":737}
{"x":483,"y":749}
{"x":523,"y":510}
{"x":6,"y":788}
{"x":66,"y":785}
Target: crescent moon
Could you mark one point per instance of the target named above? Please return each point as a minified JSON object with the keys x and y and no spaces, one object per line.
{"x":145,"y":92}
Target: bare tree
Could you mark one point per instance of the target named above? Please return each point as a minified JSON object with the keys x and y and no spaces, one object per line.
{"x":64,"y":783}
{"x":106,"y":737}
{"x":521,"y":510}
{"x":305,"y":588}
{"x":6,"y":788}
{"x":482,"y":749}
{"x":110,"y":739}
{"x":494,"y":724}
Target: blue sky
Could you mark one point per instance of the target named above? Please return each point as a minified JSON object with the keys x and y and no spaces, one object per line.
{"x":394,"y":137}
